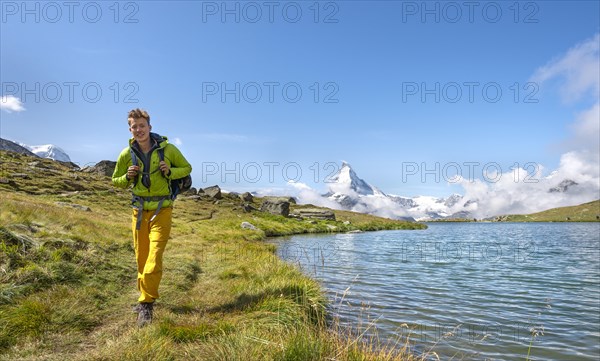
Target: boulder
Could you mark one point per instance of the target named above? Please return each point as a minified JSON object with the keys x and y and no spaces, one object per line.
{"x":291,"y":200}
{"x":232,"y":195}
{"x":213,"y":192}
{"x":247,"y":197}
{"x":104,"y":167}
{"x":248,"y":208}
{"x":315,"y":213}
{"x":248,"y":225}
{"x":279,"y":207}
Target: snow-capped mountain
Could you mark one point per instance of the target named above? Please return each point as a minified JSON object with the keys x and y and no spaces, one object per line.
{"x":353,"y":193}
{"x":48,"y":151}
{"x":346,"y":180}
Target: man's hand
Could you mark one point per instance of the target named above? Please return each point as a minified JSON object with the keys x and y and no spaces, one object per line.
{"x":164,"y":167}
{"x":132,"y":171}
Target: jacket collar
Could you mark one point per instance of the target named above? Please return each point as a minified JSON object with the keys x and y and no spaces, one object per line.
{"x":155,"y":139}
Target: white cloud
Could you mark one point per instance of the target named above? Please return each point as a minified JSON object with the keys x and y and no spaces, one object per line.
{"x":177,"y":142}
{"x":586,"y":130}
{"x":518,"y":192}
{"x":306,"y":195}
{"x":10,"y":104}
{"x":578,"y":70}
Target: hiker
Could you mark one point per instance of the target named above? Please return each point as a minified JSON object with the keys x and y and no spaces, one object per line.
{"x":149,"y":165}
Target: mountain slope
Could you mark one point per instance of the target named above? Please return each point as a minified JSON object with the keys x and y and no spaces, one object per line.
{"x":11,"y":146}
{"x":587,"y":212}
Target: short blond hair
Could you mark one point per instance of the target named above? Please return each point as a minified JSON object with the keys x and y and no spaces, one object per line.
{"x":138,"y":113}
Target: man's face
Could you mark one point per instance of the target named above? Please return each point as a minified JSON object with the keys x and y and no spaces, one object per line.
{"x":140,"y":129}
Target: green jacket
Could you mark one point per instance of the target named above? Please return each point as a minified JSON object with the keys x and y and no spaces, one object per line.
{"x":158,"y":183}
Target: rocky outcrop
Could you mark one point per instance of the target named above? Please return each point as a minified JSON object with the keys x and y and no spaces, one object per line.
{"x":191,"y":192}
{"x":314,"y":213}
{"x":104,"y":167}
{"x":277,"y":207}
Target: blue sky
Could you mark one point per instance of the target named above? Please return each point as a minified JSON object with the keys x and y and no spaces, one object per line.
{"x":367,"y":72}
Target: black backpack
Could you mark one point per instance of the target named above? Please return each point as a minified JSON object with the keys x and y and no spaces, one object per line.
{"x":176,"y":185}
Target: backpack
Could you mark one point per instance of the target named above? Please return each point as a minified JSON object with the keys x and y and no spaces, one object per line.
{"x":176,"y":186}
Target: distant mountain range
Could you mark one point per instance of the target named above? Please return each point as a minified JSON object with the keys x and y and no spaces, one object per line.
{"x":43,"y":151}
{"x":353,"y":193}
{"x":350,"y":192}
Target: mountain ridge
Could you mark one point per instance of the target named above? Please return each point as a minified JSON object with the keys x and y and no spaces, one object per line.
{"x":354,"y":193}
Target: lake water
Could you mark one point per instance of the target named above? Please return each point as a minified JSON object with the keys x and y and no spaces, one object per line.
{"x":472,"y":291}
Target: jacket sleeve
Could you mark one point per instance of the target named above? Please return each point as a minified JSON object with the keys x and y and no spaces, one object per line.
{"x":119,"y":177}
{"x":180,"y":167}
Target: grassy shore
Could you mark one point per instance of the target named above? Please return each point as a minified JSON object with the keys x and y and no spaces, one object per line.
{"x":67,"y":278}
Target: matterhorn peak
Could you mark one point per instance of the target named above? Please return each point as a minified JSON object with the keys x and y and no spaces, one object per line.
{"x":346,"y":179}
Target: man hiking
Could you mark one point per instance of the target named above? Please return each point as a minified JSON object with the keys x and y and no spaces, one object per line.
{"x":149,"y":165}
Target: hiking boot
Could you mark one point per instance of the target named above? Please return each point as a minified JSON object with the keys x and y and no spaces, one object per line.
{"x":145,"y":315}
{"x":137,"y":308}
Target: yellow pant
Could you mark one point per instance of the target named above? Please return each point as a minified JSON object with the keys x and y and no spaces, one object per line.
{"x":149,"y":243}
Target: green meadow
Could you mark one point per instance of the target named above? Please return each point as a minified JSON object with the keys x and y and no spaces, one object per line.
{"x":67,"y":278}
